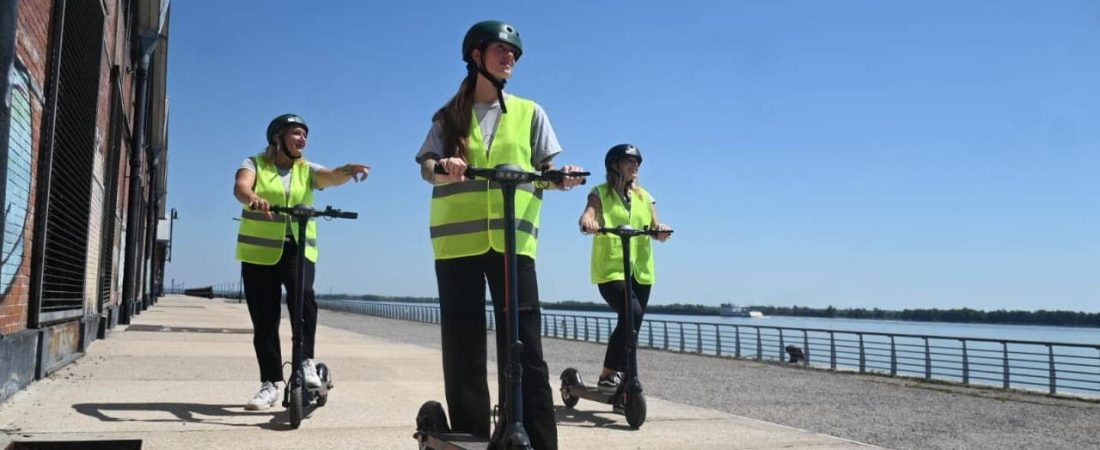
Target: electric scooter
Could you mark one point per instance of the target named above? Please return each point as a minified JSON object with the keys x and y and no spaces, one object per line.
{"x":299,"y":398}
{"x":432,"y":431}
{"x":628,"y":396}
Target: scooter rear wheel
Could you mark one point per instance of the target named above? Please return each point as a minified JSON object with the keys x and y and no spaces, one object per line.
{"x":570,"y":379}
{"x":326,"y":380}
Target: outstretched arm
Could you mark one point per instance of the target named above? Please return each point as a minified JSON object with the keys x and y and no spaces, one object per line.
{"x":340,"y":175}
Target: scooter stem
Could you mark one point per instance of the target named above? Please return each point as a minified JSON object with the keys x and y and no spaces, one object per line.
{"x":511,"y":307}
{"x":628,"y":279}
{"x":299,"y":300}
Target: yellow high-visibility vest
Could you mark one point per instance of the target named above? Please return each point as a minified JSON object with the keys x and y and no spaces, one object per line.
{"x":607,"y":249}
{"x":259,"y":239}
{"x":467,"y":217}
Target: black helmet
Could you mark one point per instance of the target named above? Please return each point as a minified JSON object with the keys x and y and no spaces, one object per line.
{"x":279,"y":124}
{"x":619,"y":152}
{"x":488,"y":31}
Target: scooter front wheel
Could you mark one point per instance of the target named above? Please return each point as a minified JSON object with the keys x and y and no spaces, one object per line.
{"x":297,"y":407}
{"x":431,"y":418}
{"x":634,"y":408}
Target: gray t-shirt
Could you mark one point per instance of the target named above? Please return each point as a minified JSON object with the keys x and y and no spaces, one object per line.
{"x":544,"y":143}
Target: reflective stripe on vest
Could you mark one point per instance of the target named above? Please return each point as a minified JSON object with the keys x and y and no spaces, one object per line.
{"x":467,"y":217}
{"x":260,"y":240}
{"x":607,"y":249}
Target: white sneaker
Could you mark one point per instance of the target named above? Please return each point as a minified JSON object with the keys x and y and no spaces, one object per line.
{"x":266,"y":397}
{"x":311,"y":378}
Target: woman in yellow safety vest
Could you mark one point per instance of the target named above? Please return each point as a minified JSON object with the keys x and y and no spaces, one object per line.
{"x":267,"y":244}
{"x":482,"y":126}
{"x":621,"y":201}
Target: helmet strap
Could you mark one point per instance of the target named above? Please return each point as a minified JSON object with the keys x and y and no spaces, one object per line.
{"x":499,"y":84}
{"x":284,"y":151}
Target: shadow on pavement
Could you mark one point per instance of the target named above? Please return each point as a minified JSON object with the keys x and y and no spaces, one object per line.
{"x":572,"y":417}
{"x":185,"y":412}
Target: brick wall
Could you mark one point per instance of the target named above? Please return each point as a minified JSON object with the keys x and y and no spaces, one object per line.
{"x":32,"y":44}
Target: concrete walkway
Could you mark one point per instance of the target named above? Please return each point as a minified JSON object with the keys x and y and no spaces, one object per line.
{"x":178,"y":377}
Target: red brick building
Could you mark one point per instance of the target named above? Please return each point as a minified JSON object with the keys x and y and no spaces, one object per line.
{"x":83,"y":157}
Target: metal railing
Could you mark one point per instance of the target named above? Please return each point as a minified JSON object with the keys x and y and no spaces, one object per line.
{"x":1053,"y":367}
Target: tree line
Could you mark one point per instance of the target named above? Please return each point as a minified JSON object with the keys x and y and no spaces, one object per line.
{"x":956,"y":315}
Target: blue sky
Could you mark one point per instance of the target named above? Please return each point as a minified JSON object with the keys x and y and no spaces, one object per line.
{"x":850,"y":153}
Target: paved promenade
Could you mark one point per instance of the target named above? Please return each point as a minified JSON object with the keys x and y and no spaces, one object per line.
{"x":178,"y":377}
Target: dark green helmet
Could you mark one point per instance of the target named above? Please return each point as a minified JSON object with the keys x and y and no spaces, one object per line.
{"x":279,"y":124}
{"x":483,"y":33}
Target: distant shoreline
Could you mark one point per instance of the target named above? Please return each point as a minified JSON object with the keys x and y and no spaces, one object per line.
{"x":959,"y":315}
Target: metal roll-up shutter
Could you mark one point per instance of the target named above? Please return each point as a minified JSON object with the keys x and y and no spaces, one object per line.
{"x":69,"y":145}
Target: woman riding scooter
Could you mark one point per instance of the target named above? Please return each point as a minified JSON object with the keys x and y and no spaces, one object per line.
{"x":621,"y":201}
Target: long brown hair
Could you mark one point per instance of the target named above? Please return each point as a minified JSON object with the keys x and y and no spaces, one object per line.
{"x":455,"y":118}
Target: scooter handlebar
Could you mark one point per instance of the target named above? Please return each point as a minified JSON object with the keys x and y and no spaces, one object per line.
{"x":505,"y":173}
{"x":629,"y":231}
{"x":306,"y":211}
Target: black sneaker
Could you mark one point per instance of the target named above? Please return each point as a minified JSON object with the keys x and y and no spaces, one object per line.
{"x":612,"y":380}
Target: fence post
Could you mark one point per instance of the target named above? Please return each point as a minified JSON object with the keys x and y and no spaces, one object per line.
{"x":736,"y":341}
{"x":893,"y":358}
{"x":927,"y":360}
{"x":966,"y":363}
{"x":666,"y":334}
{"x":862,"y":355}
{"x":1053,"y":375}
{"x":832,"y":350}
{"x":782,"y":348}
{"x":806,"y":346}
{"x":698,"y":338}
{"x":585,"y":328}
{"x":759,"y":345}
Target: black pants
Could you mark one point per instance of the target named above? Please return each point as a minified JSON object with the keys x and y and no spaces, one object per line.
{"x":614,"y":293}
{"x":462,"y":324}
{"x":263,"y":290}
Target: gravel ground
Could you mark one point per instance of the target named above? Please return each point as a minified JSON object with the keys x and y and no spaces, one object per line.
{"x":889,"y":412}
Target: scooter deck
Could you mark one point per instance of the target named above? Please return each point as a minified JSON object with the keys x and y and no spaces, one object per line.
{"x":452,"y":441}
{"x":593,"y":393}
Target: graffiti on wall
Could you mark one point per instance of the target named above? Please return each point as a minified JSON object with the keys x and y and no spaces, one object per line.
{"x":17,"y":174}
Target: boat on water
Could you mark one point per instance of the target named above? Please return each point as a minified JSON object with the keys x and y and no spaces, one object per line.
{"x":731,"y":310}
